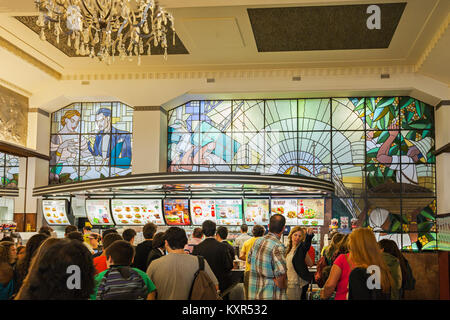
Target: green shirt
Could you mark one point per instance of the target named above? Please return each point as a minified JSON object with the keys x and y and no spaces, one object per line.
{"x":98,"y":278}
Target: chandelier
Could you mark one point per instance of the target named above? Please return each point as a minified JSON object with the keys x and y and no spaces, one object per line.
{"x":107,"y":28}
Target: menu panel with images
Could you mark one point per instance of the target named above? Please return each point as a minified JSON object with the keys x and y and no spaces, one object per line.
{"x":55,"y":212}
{"x":311,"y":212}
{"x":137,"y":211}
{"x":229,"y":212}
{"x":202,"y":210}
{"x":287,"y":208}
{"x":256,"y":211}
{"x":98,"y":212}
{"x":176,"y":212}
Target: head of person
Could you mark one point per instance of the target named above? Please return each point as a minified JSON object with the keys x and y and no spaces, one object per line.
{"x":94,"y":239}
{"x":70,"y":120}
{"x":222,"y":233}
{"x":3,"y":254}
{"x":49,"y":277}
{"x":175,"y":239}
{"x":120,"y":253}
{"x":75,"y":235}
{"x":197,"y":233}
{"x":390,"y":247}
{"x":110,"y":238}
{"x":108,"y":231}
{"x":129,"y":235}
{"x":87,"y":229}
{"x":413,"y":153}
{"x":103,"y":119}
{"x":46,"y":230}
{"x":365,"y":252}
{"x":11,"y":250}
{"x":20,"y":252}
{"x":209,"y":228}
{"x":149,"y":230}
{"x":69,"y":229}
{"x":342,"y":245}
{"x":296,"y":236}
{"x":244,"y":228}
{"x":31,"y":248}
{"x":277,"y":223}
{"x":7,"y":238}
{"x":337,"y":237}
{"x":158,"y":241}
{"x":258,"y":231}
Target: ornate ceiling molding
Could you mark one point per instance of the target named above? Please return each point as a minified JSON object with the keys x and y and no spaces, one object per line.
{"x":28,"y":58}
{"x":15,"y":88}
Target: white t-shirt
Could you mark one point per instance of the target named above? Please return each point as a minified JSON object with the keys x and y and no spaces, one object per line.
{"x":292,"y":276}
{"x":406,"y":171}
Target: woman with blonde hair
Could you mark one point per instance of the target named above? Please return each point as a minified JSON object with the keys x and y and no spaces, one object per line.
{"x":365,"y":253}
{"x":298,"y":260}
{"x":333,"y":247}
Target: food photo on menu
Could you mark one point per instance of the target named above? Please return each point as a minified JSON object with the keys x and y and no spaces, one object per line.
{"x":137,"y":211}
{"x":98,"y":212}
{"x":286,"y":207}
{"x":55,"y":212}
{"x":202,"y":210}
{"x":311,"y":212}
{"x":176,"y":212}
{"x":256,"y":211}
{"x":229,"y":212}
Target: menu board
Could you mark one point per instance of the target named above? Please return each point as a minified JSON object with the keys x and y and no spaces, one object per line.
{"x":176,"y":212}
{"x":202,"y":210}
{"x":287,"y":208}
{"x":229,"y":212}
{"x":137,"y":211}
{"x":98,"y":212}
{"x":256,"y":211}
{"x":55,"y":212}
{"x":307,"y":212}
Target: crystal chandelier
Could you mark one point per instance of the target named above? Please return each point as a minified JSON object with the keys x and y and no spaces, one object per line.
{"x":106,"y":28}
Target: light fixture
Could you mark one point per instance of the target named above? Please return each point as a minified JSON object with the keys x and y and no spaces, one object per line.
{"x":106,"y":28}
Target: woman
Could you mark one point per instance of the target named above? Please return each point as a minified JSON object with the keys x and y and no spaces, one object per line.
{"x":22,"y":266}
{"x":157,"y":248}
{"x":12,"y":252}
{"x":6,"y":274}
{"x":20,"y":253}
{"x":50,"y":277}
{"x":333,"y":247}
{"x":365,"y":253}
{"x":298,"y":260}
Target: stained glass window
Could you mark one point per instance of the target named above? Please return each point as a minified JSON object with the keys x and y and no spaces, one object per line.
{"x":9,"y":170}
{"x":91,"y":140}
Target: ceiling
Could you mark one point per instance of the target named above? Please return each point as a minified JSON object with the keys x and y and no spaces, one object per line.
{"x":255,"y":35}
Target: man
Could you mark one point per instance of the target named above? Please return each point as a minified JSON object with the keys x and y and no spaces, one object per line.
{"x":240,"y":240}
{"x":143,"y":249}
{"x":197,"y":236}
{"x":118,"y":150}
{"x":100,"y":264}
{"x":216,"y":254}
{"x":129,"y":235}
{"x":120,"y":281}
{"x":46,"y":230}
{"x":257,"y":231}
{"x":221,"y":236}
{"x":69,"y":229}
{"x":93,"y":240}
{"x":268,"y":269}
{"x":173,"y":274}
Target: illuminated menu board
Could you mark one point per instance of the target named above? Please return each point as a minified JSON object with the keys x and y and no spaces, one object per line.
{"x":55,"y":212}
{"x":229,"y":212}
{"x":137,"y":211}
{"x":202,"y":210}
{"x":307,"y":212}
{"x":176,"y":212}
{"x":98,"y":212}
{"x":256,"y":211}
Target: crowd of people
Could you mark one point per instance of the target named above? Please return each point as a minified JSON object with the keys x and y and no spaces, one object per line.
{"x":167,"y":266}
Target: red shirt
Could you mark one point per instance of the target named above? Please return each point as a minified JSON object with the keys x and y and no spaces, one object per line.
{"x":342,"y":286}
{"x":312,"y":254}
{"x":100,"y":264}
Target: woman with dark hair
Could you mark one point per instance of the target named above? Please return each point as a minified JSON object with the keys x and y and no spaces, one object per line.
{"x":50,"y":276}
{"x":6,"y":275}
{"x":407,"y":278}
{"x":12,"y":252}
{"x":157,"y":248}
{"x":22,"y":266}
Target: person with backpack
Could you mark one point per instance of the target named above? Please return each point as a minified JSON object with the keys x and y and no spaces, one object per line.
{"x":181,"y":276}
{"x":120,"y":281}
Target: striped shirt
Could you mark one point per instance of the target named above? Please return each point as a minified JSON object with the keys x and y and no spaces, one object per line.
{"x":267,"y":262}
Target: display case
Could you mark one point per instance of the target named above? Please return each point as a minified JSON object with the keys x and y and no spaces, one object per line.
{"x":137,"y":212}
{"x":55,"y":212}
{"x":98,"y":212}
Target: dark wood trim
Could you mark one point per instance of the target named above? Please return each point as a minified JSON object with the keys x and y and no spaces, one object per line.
{"x":444,"y":275}
{"x":19,"y":151}
{"x":444,"y":149}
{"x":443,"y":103}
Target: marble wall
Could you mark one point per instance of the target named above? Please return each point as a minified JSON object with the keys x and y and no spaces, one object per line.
{"x":13,"y":117}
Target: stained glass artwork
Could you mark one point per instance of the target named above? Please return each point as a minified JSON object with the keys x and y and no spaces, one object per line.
{"x":281,"y":115}
{"x":349,"y":147}
{"x":313,"y":114}
{"x":349,"y":180}
{"x":382,"y":113}
{"x":383,"y":146}
{"x":251,"y":148}
{"x":348,"y":113}
{"x":89,"y":139}
{"x":9,"y":170}
{"x":248,"y":115}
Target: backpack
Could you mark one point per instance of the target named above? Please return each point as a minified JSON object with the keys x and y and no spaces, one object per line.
{"x":321,"y":264}
{"x":122,"y":283}
{"x":202,"y":287}
{"x":409,"y":283}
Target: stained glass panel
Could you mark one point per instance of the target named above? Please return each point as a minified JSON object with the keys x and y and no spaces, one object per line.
{"x":251,"y":150}
{"x":348,"y":113}
{"x":314,"y":147}
{"x":11,"y":177}
{"x":64,"y":174}
{"x":349,"y":179}
{"x":216,"y":116}
{"x":281,"y":115}
{"x":349,"y":147}
{"x":415,"y":115}
{"x":280,"y":148}
{"x":248,"y":115}
{"x":67,"y":120}
{"x":314,"y":114}
{"x":96,"y":117}
{"x":382,"y":113}
{"x":93,"y":172}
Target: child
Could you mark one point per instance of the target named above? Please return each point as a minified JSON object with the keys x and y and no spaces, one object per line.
{"x":120,"y":281}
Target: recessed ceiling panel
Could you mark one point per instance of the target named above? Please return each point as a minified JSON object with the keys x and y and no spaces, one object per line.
{"x":323,"y":27}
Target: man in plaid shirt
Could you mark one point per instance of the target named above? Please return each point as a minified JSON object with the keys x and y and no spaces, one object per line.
{"x":268,"y":280}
